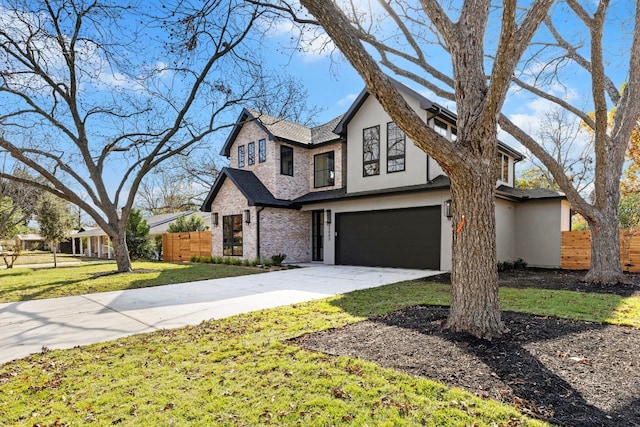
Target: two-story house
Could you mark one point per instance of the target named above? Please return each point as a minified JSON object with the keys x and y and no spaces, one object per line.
{"x":357,"y":191}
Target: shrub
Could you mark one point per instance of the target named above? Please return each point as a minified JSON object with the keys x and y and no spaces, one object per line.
{"x":278,"y":259}
{"x":217,"y":260}
{"x":255,"y":262}
{"x":236,"y":261}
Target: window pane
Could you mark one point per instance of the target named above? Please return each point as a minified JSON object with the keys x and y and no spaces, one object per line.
{"x":232,"y":235}
{"x":262,"y":150}
{"x":371,"y":150}
{"x":440,"y":127}
{"x":396,"y":144}
{"x":323,"y":170}
{"x":241,"y":156}
{"x":251,"y":154}
{"x":286,"y":160}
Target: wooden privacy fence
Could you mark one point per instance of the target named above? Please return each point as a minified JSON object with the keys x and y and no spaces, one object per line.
{"x":182,"y":246}
{"x":576,"y":250}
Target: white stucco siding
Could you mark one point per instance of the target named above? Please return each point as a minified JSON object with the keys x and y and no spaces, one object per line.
{"x":539,"y":224}
{"x":371,"y":114}
{"x":505,"y":230}
{"x":383,"y":203}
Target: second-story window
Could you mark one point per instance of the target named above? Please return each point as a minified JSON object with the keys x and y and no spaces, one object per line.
{"x":262,"y":150}
{"x":503,"y":168}
{"x":323,"y":170}
{"x":371,"y":151}
{"x":395,"y":148}
{"x":440,"y":127}
{"x":286,"y":160}
{"x":251,"y":153}
{"x":241,"y":156}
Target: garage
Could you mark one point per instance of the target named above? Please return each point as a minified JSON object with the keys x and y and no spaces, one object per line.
{"x":406,"y":238}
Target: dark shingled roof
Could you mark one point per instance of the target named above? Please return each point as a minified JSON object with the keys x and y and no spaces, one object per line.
{"x":283,"y":130}
{"x":531,"y":194}
{"x":249,"y":185}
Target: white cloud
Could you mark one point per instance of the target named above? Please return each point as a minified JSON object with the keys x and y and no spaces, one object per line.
{"x":347,"y":100}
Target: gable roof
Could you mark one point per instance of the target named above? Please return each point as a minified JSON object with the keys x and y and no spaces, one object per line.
{"x":283,"y":130}
{"x":425,"y":104}
{"x":249,"y":185}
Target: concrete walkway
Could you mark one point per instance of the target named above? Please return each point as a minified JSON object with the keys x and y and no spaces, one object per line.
{"x":27,"y":327}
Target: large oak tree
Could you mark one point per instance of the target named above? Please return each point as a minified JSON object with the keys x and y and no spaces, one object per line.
{"x":611,"y":132}
{"x":404,"y":38}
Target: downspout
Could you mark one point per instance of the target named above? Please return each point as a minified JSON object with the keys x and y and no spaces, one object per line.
{"x":258,"y":231}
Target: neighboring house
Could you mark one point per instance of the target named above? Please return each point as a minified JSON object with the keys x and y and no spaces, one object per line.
{"x":94,"y":242}
{"x":356,"y":191}
{"x":31,"y":242}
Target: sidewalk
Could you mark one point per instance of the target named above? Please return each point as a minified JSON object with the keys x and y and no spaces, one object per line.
{"x":27,"y":327}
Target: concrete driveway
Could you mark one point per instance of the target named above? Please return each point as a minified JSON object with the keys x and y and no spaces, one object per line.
{"x":27,"y":327}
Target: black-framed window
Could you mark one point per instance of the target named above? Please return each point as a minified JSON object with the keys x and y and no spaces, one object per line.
{"x":503,"y":167}
{"x":440,"y":127}
{"x":324,"y":170}
{"x":262,"y":150}
{"x":251,"y":153}
{"x":241,"y":156}
{"x":286,"y":160}
{"x":371,"y":151}
{"x":232,"y":235}
{"x":396,"y":147}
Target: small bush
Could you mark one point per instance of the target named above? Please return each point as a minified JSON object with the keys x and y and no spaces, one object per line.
{"x":519,"y":264}
{"x":236,"y":261}
{"x":226,"y":261}
{"x":255,"y":262}
{"x":267,"y":262}
{"x":217,"y":260}
{"x":195,"y":258}
{"x":278,"y":259}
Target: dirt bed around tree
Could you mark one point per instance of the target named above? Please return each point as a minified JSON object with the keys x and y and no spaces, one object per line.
{"x":567,"y":372}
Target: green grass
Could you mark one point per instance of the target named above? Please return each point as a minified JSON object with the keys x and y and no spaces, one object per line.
{"x":242,"y":371}
{"x":46,"y":257}
{"x":22,"y":284}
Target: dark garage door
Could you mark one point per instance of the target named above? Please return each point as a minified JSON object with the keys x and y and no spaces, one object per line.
{"x":407,"y":238}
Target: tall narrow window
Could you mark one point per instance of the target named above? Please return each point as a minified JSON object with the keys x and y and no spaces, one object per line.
{"x":371,"y":151}
{"x":241,"y":156}
{"x":286,"y":160}
{"x":396,"y":143}
{"x":262,"y":150}
{"x":251,"y":153}
{"x":503,"y":168}
{"x":323,"y":170}
{"x":232,"y":235}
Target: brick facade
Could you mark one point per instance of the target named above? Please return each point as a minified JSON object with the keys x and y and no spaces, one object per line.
{"x":285,"y":231}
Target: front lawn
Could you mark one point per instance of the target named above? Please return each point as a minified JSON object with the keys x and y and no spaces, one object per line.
{"x":22,"y":284}
{"x":244,"y":371}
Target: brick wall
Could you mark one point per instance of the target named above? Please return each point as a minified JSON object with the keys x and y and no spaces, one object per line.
{"x":230,"y":201}
{"x":285,"y":231}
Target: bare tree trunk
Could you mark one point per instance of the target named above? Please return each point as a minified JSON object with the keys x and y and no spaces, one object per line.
{"x":121,"y":254}
{"x":475,"y":308}
{"x":55,"y":259}
{"x":605,"y":252}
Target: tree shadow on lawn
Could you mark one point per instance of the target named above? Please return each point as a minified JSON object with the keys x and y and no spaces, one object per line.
{"x":566,"y":372}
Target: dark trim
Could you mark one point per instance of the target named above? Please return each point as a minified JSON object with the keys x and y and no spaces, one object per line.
{"x":258,"y":230}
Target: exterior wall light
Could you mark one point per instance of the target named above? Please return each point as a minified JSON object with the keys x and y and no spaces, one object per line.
{"x":214,"y":219}
{"x":328,"y":216}
{"x":247,"y":216}
{"x":448,"y":211}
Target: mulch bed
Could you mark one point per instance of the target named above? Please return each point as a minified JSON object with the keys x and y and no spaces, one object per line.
{"x":567,"y":372}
